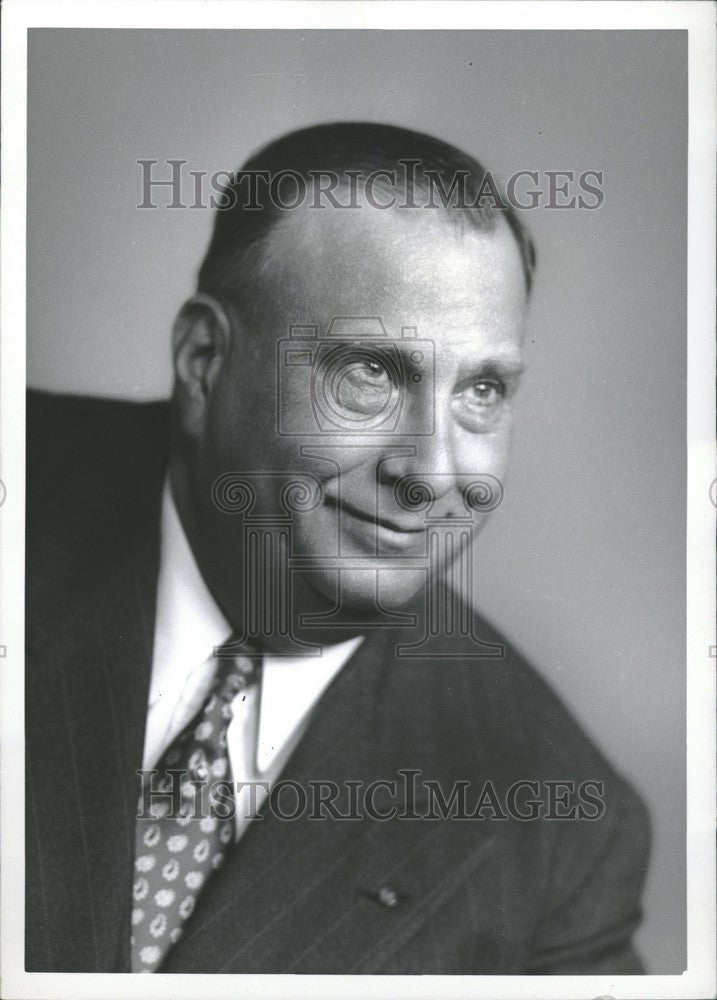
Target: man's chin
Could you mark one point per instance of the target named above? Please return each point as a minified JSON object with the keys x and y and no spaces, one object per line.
{"x":358,"y":594}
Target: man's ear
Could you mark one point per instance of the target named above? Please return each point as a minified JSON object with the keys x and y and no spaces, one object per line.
{"x":201,"y":341}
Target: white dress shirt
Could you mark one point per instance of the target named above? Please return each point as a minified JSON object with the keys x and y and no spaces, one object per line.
{"x":269,"y":720}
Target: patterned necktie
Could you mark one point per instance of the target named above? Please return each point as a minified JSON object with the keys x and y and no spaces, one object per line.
{"x":178,"y":849}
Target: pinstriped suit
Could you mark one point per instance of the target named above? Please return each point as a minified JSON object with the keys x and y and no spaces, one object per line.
{"x":472,"y":896}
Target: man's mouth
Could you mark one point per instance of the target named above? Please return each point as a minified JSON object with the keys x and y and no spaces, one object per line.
{"x":372,"y":527}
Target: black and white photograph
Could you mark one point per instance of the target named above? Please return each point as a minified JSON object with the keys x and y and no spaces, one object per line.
{"x":357,"y":500}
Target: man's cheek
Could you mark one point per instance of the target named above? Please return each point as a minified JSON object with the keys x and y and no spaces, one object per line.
{"x":314,"y":534}
{"x":497,"y":450}
{"x":486,"y":457}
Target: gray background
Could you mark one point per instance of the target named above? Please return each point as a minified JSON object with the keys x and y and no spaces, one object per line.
{"x":583,"y":564}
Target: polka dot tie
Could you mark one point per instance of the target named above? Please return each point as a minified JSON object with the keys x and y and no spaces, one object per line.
{"x":176,"y":851}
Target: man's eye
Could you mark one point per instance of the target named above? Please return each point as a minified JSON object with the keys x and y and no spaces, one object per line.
{"x":480,"y":404}
{"x":487,"y":392}
{"x":371,"y":372}
{"x":364,"y":386}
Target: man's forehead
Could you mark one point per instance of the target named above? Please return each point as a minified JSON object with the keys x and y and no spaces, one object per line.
{"x":366,"y":261}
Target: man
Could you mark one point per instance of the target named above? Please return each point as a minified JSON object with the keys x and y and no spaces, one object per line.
{"x":252,"y":584}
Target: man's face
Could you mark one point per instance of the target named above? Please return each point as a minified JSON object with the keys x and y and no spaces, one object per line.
{"x":319,"y":409}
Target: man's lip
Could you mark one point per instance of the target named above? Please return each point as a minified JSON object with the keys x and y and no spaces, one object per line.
{"x":378,"y":522}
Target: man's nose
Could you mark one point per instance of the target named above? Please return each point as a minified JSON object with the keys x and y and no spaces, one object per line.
{"x":430,"y":454}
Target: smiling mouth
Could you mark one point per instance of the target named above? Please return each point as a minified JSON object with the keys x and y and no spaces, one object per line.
{"x":386,"y":525}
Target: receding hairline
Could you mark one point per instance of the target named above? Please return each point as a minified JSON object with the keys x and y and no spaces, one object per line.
{"x":239,"y":256}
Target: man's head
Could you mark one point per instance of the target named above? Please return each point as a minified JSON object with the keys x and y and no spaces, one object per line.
{"x":409,"y":348}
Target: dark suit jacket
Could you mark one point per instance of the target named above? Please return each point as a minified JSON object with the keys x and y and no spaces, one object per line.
{"x":484,"y":896}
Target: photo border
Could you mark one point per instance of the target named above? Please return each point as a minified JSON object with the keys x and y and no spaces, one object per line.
{"x":694,"y":17}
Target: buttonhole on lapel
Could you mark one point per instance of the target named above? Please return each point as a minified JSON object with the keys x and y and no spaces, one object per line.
{"x":385,"y":896}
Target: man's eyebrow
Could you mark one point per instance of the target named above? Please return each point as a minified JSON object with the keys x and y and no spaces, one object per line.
{"x":509,"y":367}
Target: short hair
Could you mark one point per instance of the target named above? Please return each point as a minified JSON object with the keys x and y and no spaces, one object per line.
{"x":236,"y":258}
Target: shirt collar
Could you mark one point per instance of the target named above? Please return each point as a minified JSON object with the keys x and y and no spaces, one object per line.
{"x":189,"y":623}
{"x":291,"y":686}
